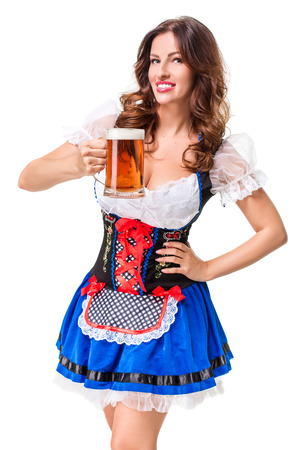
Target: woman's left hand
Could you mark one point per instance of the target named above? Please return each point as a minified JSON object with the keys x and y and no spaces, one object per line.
{"x":190,"y":265}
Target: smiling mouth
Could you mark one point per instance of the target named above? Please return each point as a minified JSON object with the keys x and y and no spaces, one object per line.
{"x":164,"y":87}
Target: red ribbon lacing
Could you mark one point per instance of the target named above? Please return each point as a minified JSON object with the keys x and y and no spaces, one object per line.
{"x":93,"y":287}
{"x":175,"y":292}
{"x":131,"y":228}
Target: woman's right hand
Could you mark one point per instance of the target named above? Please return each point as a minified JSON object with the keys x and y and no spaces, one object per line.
{"x":92,"y":156}
{"x":65,"y":163}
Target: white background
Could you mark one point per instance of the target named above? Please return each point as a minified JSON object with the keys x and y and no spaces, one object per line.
{"x":59,"y":60}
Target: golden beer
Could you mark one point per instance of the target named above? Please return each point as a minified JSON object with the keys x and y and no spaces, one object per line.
{"x":125,"y":163}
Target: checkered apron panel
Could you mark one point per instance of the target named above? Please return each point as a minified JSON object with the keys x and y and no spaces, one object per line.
{"x":123,"y":312}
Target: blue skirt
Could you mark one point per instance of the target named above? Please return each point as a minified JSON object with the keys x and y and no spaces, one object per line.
{"x":186,"y":359}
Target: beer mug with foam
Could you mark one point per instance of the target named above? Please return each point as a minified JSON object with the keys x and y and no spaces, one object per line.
{"x":124,"y":176}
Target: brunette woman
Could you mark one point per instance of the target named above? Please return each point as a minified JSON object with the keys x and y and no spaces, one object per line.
{"x":141,"y":331}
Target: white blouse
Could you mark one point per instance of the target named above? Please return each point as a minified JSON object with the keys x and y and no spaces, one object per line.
{"x":164,"y":207}
{"x":234,"y":174}
{"x":174,"y":204}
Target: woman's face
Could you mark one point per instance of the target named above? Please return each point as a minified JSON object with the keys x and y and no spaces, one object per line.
{"x":171,"y":80}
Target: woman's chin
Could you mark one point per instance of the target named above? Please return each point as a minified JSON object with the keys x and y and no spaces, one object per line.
{"x":165,"y":101}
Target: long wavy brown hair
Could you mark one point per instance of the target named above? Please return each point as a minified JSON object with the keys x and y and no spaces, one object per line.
{"x":209,"y":107}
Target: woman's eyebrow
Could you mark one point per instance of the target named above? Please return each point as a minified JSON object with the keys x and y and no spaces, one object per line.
{"x":170,"y":54}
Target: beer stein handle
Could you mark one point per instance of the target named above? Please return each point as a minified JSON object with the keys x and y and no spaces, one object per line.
{"x":98,"y":179}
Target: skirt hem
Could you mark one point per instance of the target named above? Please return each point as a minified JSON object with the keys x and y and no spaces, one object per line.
{"x":141,"y":401}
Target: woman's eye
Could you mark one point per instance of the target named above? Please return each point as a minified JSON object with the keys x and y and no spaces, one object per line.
{"x":154,"y":61}
{"x":177,"y":60}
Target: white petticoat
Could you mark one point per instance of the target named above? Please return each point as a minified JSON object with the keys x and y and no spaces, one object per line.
{"x":142,"y":401}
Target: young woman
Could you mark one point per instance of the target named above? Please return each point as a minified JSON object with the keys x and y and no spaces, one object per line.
{"x":160,"y":339}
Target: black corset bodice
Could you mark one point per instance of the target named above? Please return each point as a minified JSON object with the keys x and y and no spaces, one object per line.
{"x":127,"y":258}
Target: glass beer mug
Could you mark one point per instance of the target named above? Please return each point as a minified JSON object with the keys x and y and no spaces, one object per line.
{"x":124,"y":176}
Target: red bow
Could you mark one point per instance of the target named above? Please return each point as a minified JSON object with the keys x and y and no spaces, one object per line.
{"x":175,"y":292}
{"x":93,"y":287}
{"x":131,"y":228}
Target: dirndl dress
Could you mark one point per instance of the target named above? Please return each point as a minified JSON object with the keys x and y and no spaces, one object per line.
{"x":133,"y":333}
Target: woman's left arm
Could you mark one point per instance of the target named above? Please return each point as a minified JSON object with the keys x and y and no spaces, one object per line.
{"x":270,"y":234}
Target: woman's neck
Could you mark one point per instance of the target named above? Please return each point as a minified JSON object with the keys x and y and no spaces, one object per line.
{"x":174,"y":119}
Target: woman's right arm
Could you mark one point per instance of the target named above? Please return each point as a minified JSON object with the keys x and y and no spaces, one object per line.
{"x":65,"y":163}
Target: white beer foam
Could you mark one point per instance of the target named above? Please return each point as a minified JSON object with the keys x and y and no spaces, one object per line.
{"x":125,"y":133}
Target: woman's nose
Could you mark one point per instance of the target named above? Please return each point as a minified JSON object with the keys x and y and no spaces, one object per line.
{"x":163,"y":70}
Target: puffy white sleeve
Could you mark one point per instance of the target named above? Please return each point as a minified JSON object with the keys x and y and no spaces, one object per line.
{"x":94,"y":125}
{"x":234,"y":174}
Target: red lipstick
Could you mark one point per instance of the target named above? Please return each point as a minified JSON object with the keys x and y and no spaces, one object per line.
{"x":164,"y":86}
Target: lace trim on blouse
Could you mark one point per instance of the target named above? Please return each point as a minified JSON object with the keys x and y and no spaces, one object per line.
{"x":174,"y":183}
{"x":76,"y":136}
{"x":234,"y":175}
{"x":242,"y":187}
